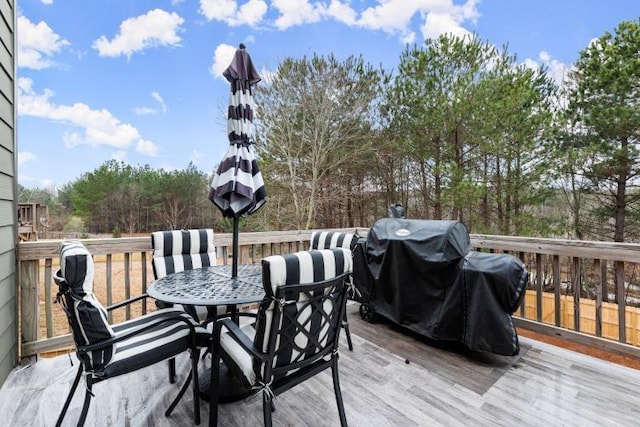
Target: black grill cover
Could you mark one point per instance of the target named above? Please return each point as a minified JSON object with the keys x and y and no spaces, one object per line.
{"x":494,"y":285}
{"x":422,"y":275}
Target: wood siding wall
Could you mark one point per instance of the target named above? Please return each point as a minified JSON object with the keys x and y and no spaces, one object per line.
{"x":8,"y":224}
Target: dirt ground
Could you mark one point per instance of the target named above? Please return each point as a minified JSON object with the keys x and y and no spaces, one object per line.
{"x":119,"y":294}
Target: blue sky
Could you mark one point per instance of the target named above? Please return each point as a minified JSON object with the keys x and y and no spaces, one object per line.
{"x":141,"y":81}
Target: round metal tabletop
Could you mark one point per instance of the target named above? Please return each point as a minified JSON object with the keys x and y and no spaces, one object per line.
{"x":210,"y":286}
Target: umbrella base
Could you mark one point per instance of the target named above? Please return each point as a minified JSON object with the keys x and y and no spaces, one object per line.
{"x":231,"y":387}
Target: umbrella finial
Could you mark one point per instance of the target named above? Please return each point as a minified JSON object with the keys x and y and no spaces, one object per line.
{"x":242,"y":46}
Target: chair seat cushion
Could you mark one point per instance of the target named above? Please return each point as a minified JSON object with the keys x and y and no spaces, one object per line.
{"x":160,"y":342}
{"x":237,"y":353}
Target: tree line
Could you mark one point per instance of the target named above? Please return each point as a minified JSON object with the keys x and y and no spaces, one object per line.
{"x":460,"y":130}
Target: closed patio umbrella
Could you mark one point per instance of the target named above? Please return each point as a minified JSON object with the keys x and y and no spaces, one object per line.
{"x":237,"y":188}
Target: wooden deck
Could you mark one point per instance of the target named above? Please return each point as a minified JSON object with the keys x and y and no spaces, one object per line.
{"x":390,"y":379}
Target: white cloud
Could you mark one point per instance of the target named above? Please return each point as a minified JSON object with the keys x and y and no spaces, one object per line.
{"x":25,"y":156}
{"x":530,"y":63}
{"x":88,"y":126}
{"x":155,"y":28}
{"x":47,"y":1}
{"x":342,"y":12}
{"x":250,"y":13}
{"x":222,"y":57}
{"x":391,"y":16}
{"x":557,"y":70}
{"x":297,"y":12}
{"x":37,"y":43}
{"x":437,"y":24}
{"x":147,"y":148}
{"x":158,"y":98}
{"x":438,"y":16}
{"x":147,"y":111}
{"x":394,"y":17}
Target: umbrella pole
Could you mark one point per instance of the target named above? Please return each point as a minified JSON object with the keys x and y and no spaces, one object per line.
{"x":234,"y":259}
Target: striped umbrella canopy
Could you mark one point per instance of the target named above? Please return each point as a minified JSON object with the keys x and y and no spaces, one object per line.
{"x":237,"y":188}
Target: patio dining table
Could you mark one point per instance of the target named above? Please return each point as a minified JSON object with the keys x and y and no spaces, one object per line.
{"x":213,"y":286}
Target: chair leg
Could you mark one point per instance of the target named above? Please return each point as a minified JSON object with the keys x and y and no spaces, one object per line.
{"x":182,"y":391}
{"x":267,"y":408}
{"x":87,"y":400}
{"x":195,"y":355}
{"x":172,"y":370}
{"x":69,"y":397}
{"x":336,"y":387}
{"x":345,"y":325}
{"x":213,"y":392}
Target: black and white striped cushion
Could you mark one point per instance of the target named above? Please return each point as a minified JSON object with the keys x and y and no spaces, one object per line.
{"x":163,"y":341}
{"x":332,"y":239}
{"x":179,"y":250}
{"x":303,"y":267}
{"x":87,"y":316}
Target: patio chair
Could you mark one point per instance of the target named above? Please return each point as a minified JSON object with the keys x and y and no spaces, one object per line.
{"x":178,"y":250}
{"x":106,"y":351}
{"x":335,"y":239}
{"x":295,"y":334}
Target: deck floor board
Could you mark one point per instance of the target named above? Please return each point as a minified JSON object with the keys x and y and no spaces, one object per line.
{"x":442,"y":384}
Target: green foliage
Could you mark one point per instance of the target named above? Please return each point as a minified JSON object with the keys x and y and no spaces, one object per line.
{"x":37,"y":195}
{"x":74,"y":225}
{"x":603,"y":110}
{"x":315,"y":119}
{"x":468,"y":122}
{"x":121,"y":197}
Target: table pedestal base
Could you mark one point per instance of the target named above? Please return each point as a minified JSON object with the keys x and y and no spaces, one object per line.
{"x":231,"y":388}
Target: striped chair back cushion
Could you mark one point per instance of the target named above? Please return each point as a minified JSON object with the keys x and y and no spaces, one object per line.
{"x":298,"y":315}
{"x":87,"y":317}
{"x":332,"y":239}
{"x":179,"y":250}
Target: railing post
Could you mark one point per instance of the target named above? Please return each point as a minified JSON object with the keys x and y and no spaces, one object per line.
{"x":539,"y":278}
{"x":48,"y":302}
{"x":143,"y":269}
{"x":523,"y":305}
{"x":597,"y":273}
{"x":556,"y":290}
{"x":620,"y":296}
{"x":127,"y":283}
{"x":109,"y":285}
{"x":575,"y":283}
{"x":29,"y":301}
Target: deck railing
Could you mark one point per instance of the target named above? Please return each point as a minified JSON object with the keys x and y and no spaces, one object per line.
{"x":566,"y":295}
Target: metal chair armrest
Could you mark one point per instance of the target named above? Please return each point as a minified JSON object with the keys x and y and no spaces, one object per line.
{"x":127,"y":302}
{"x":240,"y":337}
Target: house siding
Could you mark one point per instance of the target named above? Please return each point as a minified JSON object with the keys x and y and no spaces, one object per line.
{"x":8,"y":203}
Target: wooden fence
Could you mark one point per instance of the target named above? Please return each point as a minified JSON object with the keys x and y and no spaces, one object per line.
{"x":566,"y":294}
